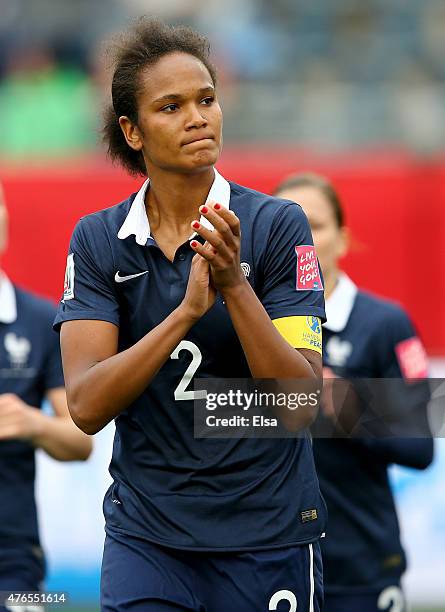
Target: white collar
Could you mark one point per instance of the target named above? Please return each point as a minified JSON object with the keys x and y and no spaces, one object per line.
{"x":8,"y":304}
{"x":340,"y":303}
{"x":136,"y":222}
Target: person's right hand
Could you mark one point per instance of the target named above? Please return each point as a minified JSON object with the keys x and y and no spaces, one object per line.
{"x":327,"y":399}
{"x":200,"y":294}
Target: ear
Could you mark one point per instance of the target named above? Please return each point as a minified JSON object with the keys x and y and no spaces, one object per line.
{"x":131,"y":132}
{"x":343,"y":243}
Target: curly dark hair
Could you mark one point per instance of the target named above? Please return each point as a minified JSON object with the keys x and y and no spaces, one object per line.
{"x":142,"y":45}
{"x":310,"y":179}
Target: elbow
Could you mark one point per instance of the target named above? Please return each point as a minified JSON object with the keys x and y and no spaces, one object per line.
{"x":85,"y":448}
{"x":426,"y":456}
{"x":83,"y":417}
{"x":86,"y":424}
{"x":422,"y":453}
{"x":80,"y":449}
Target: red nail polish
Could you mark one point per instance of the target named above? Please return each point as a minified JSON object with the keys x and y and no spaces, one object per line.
{"x":193,"y":243}
{"x":217,"y":206}
{"x":204,"y":210}
{"x":196,"y":225}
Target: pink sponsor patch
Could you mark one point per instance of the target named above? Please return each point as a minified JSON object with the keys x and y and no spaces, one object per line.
{"x":412,"y":358}
{"x":308,"y":273}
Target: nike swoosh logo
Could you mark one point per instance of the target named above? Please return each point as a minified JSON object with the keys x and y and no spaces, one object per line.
{"x":122,"y":279}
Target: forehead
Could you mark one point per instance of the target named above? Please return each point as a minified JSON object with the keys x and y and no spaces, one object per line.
{"x":175,"y":73}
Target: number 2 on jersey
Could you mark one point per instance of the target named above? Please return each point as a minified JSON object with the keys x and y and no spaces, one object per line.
{"x":283,"y":595}
{"x":181,"y":391}
{"x":391,"y":596}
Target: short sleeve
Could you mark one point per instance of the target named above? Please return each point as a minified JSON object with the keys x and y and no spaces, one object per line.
{"x":403,"y":391}
{"x":53,"y":373}
{"x":403,"y":355}
{"x":88,"y":290}
{"x":293,"y":283}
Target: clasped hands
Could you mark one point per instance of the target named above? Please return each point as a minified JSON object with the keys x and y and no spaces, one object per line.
{"x":216,"y":264}
{"x":222,"y":247}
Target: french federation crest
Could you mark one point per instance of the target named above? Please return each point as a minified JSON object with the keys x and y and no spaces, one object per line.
{"x":18,"y":350}
{"x":245,"y":268}
{"x":338,"y":351}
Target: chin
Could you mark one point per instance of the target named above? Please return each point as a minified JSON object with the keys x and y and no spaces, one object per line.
{"x":203,"y":159}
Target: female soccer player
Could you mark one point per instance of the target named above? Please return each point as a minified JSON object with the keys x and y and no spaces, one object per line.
{"x":30,"y":370}
{"x":192,"y":276}
{"x":366,"y":337}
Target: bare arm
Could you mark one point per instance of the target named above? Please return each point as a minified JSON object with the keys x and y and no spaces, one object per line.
{"x":272,"y":357}
{"x":101,"y":382}
{"x":268,"y":354}
{"x":57,"y":435}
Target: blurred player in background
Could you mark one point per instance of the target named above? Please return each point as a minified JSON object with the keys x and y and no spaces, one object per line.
{"x":30,"y":371}
{"x":364,"y":337}
{"x":161,"y":288}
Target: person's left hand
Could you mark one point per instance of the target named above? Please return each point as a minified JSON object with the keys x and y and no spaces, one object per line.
{"x":18,"y":421}
{"x":225,"y":241}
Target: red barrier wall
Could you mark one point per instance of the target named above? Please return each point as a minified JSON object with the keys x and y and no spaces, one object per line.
{"x":395,"y":207}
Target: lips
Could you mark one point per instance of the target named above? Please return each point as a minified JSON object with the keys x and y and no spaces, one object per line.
{"x":198,"y":139}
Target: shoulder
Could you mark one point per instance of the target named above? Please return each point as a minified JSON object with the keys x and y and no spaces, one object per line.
{"x":382,"y":314}
{"x":107,"y":220}
{"x":382,"y":308}
{"x":257,"y":201}
{"x":33,"y":306}
{"x":246,"y":201}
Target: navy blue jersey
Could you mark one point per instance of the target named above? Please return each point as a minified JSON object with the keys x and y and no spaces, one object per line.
{"x":30,"y":365}
{"x":367,"y":337}
{"x":169,"y":487}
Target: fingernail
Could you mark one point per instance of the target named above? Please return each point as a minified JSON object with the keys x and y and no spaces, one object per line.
{"x":193,"y":243}
{"x":204,"y":210}
{"x":217,"y":206}
{"x":196,"y":225}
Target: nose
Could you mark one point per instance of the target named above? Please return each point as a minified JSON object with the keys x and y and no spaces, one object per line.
{"x":195,"y":119}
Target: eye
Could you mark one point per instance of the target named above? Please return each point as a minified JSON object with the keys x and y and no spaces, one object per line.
{"x":208,"y":101}
{"x":169,"y":108}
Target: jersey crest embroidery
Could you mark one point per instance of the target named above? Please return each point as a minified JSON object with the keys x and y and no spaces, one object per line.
{"x":245,"y":268}
{"x":18,"y":350}
{"x":338,"y":351}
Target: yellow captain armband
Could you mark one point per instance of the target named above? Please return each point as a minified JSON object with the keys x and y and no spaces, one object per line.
{"x":301,"y":331}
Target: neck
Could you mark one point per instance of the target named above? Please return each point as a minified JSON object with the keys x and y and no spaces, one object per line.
{"x":330,"y":281}
{"x":174,"y":199}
